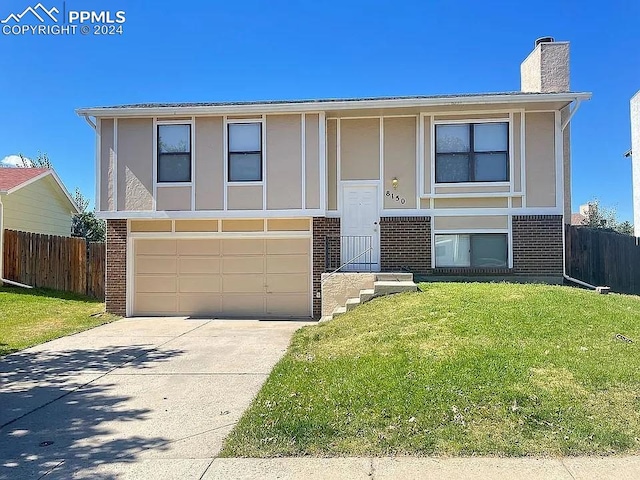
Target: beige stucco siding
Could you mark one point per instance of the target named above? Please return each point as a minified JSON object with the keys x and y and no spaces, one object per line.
{"x":39,"y":208}
{"x":517,"y":152}
{"x":463,"y":223}
{"x":209,"y":166}
{"x":107,"y":162}
{"x":540,"y":162}
{"x":566,"y":161}
{"x":135,"y":164}
{"x":427,"y":155}
{"x":486,"y":202}
{"x":400,"y":161}
{"x":332,"y":168}
{"x":461,"y":189}
{"x":284,"y":161}
{"x":312,"y":161}
{"x":246,"y":197}
{"x":173,"y":198}
{"x":360,"y":149}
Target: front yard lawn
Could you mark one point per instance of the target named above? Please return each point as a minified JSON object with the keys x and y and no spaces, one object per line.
{"x":460,"y":369}
{"x":29,"y":317}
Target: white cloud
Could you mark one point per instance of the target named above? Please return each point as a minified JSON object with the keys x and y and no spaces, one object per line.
{"x":13,"y":161}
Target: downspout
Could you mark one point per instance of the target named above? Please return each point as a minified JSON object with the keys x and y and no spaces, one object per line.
{"x":4,"y":280}
{"x":564,"y":230}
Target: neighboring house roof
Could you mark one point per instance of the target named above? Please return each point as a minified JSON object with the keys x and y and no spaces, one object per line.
{"x":336,"y":103}
{"x":15,"y":178}
{"x":10,"y":178}
{"x":577,"y":219}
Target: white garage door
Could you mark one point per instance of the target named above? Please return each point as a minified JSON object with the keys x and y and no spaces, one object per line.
{"x":257,"y":277}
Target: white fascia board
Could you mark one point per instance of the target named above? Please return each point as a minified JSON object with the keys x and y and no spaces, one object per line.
{"x":323,"y":105}
{"x":218,"y":214}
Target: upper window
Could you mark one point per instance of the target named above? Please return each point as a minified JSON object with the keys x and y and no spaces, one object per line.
{"x":174,"y":153}
{"x":472,"y":152}
{"x":245,"y":152}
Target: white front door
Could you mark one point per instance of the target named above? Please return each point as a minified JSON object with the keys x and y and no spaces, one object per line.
{"x":360,"y":245}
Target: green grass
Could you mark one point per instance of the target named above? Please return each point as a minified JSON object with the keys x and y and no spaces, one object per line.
{"x":460,"y":369}
{"x":30,"y":317}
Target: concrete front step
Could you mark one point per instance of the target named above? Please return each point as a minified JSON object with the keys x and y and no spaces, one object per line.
{"x":352,"y":303}
{"x":338,"y":311}
{"x":394,"y":277}
{"x":391,"y":287}
{"x":366,"y":295}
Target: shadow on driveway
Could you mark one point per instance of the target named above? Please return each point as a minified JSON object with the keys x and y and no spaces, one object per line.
{"x":58,"y":406}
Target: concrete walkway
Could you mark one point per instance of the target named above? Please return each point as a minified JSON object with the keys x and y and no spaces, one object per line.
{"x":154,"y":398}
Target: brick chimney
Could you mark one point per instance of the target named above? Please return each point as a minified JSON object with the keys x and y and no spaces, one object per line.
{"x":546,"y":69}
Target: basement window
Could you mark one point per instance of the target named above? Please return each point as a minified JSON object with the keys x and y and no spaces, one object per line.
{"x":472,"y":152}
{"x":174,"y":153}
{"x":245,"y":152}
{"x":480,"y":250}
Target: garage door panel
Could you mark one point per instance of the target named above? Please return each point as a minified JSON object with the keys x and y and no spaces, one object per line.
{"x":156,"y":304}
{"x":156,"y":284}
{"x":205,"y":265}
{"x":243,"y":284}
{"x":243,"y":246}
{"x":199,"y":304}
{"x":236,"y":305}
{"x":287,"y":264}
{"x":235,"y":265}
{"x":288,"y":305}
{"x":236,"y":277}
{"x":201,"y":246}
{"x":288,"y":283}
{"x":155,"y":247}
{"x":200,"y":284}
{"x":155,"y":265}
{"x":288,"y":246}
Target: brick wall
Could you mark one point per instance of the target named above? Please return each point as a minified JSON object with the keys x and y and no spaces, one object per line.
{"x":322,"y":227}
{"x":116,"y":282}
{"x":537,"y":244}
{"x":405,"y":243}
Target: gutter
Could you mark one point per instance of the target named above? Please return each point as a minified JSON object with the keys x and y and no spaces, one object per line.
{"x":564,"y":230}
{"x":324,"y":105}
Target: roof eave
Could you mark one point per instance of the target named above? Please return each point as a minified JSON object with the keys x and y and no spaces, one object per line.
{"x":321,"y":105}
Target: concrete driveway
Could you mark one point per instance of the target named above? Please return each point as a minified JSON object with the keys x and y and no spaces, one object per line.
{"x":138,"y":398}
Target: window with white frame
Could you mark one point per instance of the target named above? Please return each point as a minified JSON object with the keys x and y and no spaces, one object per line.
{"x":174,"y":153}
{"x":472,"y":152}
{"x":245,"y":152}
{"x":480,"y":250}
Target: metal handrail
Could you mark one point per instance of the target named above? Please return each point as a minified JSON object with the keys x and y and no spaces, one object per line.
{"x":347,"y":263}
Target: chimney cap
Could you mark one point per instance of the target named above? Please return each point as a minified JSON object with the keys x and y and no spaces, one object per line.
{"x":544,"y":40}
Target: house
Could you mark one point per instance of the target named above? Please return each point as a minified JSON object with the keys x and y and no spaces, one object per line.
{"x":34,"y":200}
{"x":635,"y":160}
{"x":230,"y":208}
{"x":580,"y":217}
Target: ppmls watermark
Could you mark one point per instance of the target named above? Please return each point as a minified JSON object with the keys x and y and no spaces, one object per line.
{"x":39,"y":20}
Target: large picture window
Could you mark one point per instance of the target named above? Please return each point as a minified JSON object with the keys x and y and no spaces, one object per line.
{"x":472,"y":152}
{"x":174,"y":153}
{"x":481,"y":250}
{"x":245,"y":152}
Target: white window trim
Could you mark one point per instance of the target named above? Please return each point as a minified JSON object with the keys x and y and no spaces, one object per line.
{"x":470,"y":231}
{"x":263,"y":133}
{"x":508,"y":119}
{"x":158,"y":123}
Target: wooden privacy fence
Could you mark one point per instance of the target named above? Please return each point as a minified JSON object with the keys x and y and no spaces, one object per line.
{"x":603,"y":258}
{"x":61,"y":263}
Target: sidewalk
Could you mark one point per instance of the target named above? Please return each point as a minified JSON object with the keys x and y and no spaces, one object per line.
{"x":407,"y":468}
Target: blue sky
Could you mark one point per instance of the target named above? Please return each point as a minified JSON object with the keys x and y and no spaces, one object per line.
{"x":210,"y":50}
